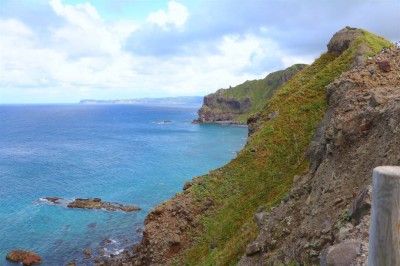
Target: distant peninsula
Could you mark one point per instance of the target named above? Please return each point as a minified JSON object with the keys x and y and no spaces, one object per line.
{"x":183,"y":100}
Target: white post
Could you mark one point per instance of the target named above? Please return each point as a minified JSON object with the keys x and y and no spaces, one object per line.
{"x":384,"y":237}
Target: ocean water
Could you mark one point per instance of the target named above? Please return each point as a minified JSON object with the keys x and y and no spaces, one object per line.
{"x":120,"y":153}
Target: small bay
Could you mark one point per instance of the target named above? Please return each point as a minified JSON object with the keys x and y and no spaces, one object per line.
{"x":130,"y":154}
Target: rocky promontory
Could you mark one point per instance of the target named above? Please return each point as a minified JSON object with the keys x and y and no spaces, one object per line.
{"x":235,"y":104}
{"x":92,"y":203}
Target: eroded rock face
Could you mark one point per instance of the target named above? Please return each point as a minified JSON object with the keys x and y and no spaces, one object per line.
{"x":217,"y":108}
{"x":166,"y":229}
{"x":26,"y":257}
{"x":329,"y":208}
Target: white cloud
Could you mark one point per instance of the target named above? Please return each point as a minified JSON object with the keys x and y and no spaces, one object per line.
{"x":176,"y":15}
{"x":13,"y":27}
{"x":80,"y":14}
{"x":85,"y":33}
{"x":85,"y":56}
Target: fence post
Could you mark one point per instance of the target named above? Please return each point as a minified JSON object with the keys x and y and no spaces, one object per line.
{"x":384,"y":237}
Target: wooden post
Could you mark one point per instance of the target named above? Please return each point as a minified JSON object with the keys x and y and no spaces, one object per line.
{"x":384,"y":237}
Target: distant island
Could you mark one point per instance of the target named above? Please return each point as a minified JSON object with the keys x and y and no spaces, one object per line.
{"x":183,"y":100}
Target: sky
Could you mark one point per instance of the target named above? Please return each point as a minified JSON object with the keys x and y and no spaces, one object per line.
{"x":62,"y":51}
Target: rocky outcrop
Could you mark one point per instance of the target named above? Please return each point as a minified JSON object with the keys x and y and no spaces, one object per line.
{"x":218,"y":108}
{"x":167,"y":227}
{"x":325,"y":216}
{"x":26,"y":257}
{"x":92,"y":203}
{"x":342,"y":39}
{"x":226,"y":105}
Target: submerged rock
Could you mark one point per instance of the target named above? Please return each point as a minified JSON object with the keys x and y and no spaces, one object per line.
{"x":26,"y":257}
{"x":55,"y":200}
{"x":92,"y":203}
{"x":96,"y":203}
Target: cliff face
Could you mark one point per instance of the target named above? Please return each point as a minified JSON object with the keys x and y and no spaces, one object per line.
{"x":325,"y":216}
{"x":290,"y":208}
{"x":235,"y":104}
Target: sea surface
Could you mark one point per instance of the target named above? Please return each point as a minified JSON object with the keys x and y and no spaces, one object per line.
{"x":119,"y":153}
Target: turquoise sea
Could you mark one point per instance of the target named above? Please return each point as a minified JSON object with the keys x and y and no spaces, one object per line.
{"x":120,"y":153}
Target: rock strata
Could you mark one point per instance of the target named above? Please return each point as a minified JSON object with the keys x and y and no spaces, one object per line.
{"x":26,"y":257}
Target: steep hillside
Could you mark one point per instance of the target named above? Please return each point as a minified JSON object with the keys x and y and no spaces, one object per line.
{"x":212,"y":220}
{"x":325,"y":216}
{"x":237,"y":103}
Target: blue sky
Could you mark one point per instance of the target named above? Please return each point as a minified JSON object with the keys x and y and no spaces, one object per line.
{"x":60,"y":51}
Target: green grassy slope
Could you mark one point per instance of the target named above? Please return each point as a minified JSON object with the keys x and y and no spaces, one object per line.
{"x":262,"y":173}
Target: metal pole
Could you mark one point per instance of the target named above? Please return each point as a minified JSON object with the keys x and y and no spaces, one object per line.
{"x":384,"y":237}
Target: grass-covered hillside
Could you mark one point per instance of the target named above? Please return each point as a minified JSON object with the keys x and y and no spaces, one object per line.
{"x":237,"y":103}
{"x":263,"y":172}
{"x":212,"y":221}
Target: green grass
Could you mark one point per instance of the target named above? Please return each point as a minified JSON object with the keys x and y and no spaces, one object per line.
{"x":262,"y":178}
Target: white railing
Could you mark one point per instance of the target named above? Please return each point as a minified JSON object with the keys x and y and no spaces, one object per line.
{"x":384,"y":238}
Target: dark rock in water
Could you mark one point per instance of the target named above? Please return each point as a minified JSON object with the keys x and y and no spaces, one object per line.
{"x":88,"y":253}
{"x":96,"y":203}
{"x":97,"y":260}
{"x":129,"y":208}
{"x":55,"y":200}
{"x":101,"y":251}
{"x":72,"y":263}
{"x":92,"y":203}
{"x":92,"y":225}
{"x":26,"y":257}
{"x":107,"y":241}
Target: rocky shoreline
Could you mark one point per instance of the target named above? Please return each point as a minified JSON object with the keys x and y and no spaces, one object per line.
{"x":91,"y":203}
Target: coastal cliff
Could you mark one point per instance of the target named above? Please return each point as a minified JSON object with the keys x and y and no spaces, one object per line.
{"x":273,"y":203}
{"x":237,"y":103}
{"x":325,"y":216}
